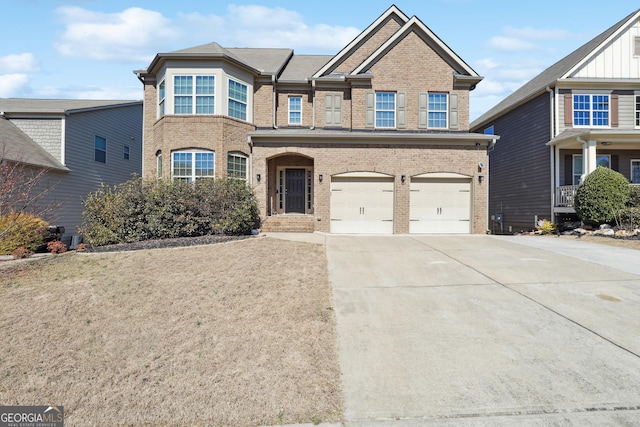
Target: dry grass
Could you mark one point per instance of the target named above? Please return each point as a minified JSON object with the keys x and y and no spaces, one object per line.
{"x":233,"y":334}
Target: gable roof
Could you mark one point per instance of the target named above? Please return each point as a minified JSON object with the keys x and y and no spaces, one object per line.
{"x":15,"y":145}
{"x":57,"y":106}
{"x":548,"y":77}
{"x":256,"y":60}
{"x":415,"y":24}
{"x":392,"y":12}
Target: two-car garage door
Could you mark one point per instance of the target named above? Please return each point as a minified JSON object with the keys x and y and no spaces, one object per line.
{"x":364,"y":203}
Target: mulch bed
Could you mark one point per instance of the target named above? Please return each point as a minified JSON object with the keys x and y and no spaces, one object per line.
{"x":167,"y":243}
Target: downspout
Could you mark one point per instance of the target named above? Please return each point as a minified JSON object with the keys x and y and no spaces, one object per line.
{"x":250,"y":142}
{"x":313,"y":104}
{"x":552,"y":157}
{"x":274,"y":102}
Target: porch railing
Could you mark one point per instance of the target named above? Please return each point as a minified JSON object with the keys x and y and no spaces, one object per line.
{"x":565,"y":195}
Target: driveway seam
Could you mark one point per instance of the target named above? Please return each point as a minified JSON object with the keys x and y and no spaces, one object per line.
{"x":506,"y":286}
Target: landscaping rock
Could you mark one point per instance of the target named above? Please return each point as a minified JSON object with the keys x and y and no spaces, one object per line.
{"x":580,"y":231}
{"x":608,"y":232}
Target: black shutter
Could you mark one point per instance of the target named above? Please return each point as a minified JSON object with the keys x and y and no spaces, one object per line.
{"x":568,"y":169}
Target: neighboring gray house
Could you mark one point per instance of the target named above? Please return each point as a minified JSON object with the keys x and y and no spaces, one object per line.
{"x":81,"y":143}
{"x":580,"y":113}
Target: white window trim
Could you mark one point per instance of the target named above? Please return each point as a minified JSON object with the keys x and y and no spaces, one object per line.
{"x":193,"y":176}
{"x":162,"y":100}
{"x":591,"y":93}
{"x":294,"y":111}
{"x":445,"y":111}
{"x":375,"y":109}
{"x":246,"y":171}
{"x":194,"y":96}
{"x":229,"y":99}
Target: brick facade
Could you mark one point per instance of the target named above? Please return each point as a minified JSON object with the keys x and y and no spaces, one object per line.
{"x":409,"y":65}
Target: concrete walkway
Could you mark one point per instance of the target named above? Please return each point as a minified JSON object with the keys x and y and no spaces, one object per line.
{"x":485,"y":331}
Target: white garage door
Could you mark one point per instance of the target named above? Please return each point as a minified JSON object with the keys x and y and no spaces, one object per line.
{"x":440,"y":205}
{"x":362,"y":205}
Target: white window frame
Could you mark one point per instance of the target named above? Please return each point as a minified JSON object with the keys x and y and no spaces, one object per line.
{"x":295,"y":111}
{"x":636,"y":103}
{"x":162,"y":94}
{"x":194,"y":94}
{"x":576,"y":156}
{"x":97,"y":150}
{"x":591,"y":111}
{"x":631,"y":171}
{"x":432,"y":111}
{"x":192,"y":175}
{"x":246,"y":165}
{"x":159,"y":165}
{"x":241,"y":102}
{"x":380,"y":122}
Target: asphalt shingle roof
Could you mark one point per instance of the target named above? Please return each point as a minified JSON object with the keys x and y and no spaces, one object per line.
{"x":549,"y":76}
{"x":17,"y":146}
{"x":17,"y":105}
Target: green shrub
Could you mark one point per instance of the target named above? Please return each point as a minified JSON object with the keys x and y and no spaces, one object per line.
{"x":634,"y":198}
{"x":628,"y":218}
{"x":603,"y":193}
{"x":141,"y":210}
{"x":21,"y":230}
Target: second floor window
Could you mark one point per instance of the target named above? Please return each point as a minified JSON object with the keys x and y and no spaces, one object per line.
{"x":385,"y":110}
{"x":100,"y":149}
{"x":190,"y":98}
{"x":590,"y":110}
{"x":438,"y":110}
{"x":161,"y":96}
{"x":237,"y":100}
{"x":637,"y":110}
{"x":191,"y":165}
{"x":295,"y":110}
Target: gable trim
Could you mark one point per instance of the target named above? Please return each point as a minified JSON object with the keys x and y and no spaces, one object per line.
{"x":362,"y":36}
{"x":591,"y":54}
{"x":401,"y":33}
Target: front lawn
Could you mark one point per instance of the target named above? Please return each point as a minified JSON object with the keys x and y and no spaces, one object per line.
{"x":233,"y":334}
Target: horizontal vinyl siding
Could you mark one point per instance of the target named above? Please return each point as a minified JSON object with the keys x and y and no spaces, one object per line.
{"x":519,"y":169}
{"x":120,"y":126}
{"x":626,"y":110}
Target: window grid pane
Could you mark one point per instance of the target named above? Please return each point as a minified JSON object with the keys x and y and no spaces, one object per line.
{"x":182,"y":165}
{"x":237,"y":110}
{"x":204,"y":104}
{"x":183,"y":85}
{"x":237,"y":166}
{"x":204,"y":85}
{"x":295,"y":110}
{"x":183,"y":105}
{"x":385,"y":110}
{"x":591,"y":110}
{"x":204,"y":165}
{"x":237,"y":100}
{"x":437,"y":106}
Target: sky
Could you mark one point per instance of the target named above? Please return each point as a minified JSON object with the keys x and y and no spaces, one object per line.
{"x":88,"y":49}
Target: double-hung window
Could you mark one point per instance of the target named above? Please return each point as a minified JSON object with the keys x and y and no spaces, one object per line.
{"x":637,"y":111}
{"x":295,"y":110}
{"x":237,"y":100}
{"x":193,"y":94}
{"x":385,"y":109}
{"x":100,"y":149}
{"x":191,"y":165}
{"x":437,"y":111}
{"x":161,"y":96}
{"x":591,"y":110}
{"x":237,"y":166}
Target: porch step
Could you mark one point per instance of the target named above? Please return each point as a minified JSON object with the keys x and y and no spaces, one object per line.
{"x":289,"y":224}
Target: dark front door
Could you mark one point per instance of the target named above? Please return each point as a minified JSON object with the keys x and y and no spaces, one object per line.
{"x":294,"y":199}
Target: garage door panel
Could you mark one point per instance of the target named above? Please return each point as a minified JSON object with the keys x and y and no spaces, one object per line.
{"x":362,"y":205}
{"x":440,"y":206}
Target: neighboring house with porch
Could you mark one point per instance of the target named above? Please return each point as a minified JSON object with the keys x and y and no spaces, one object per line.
{"x":580,"y":113}
{"x":374,"y":139}
{"x":81,"y":144}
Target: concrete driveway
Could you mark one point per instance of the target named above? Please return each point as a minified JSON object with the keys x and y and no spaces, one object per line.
{"x":484,"y":331}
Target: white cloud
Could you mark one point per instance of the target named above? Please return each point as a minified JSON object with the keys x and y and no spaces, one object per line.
{"x":18,"y":63}
{"x":510,"y":44}
{"x":12,"y":84}
{"x":259,"y":26}
{"x":134,"y":34}
{"x":530,"y":33}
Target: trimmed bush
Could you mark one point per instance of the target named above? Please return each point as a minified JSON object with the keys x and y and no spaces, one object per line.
{"x":603,"y":193}
{"x":546,"y":227}
{"x":634,"y":199}
{"x":21,"y":230}
{"x":142,"y":210}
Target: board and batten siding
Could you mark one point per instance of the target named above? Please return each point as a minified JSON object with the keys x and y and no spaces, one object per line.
{"x":519,"y":167}
{"x":120,"y":126}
